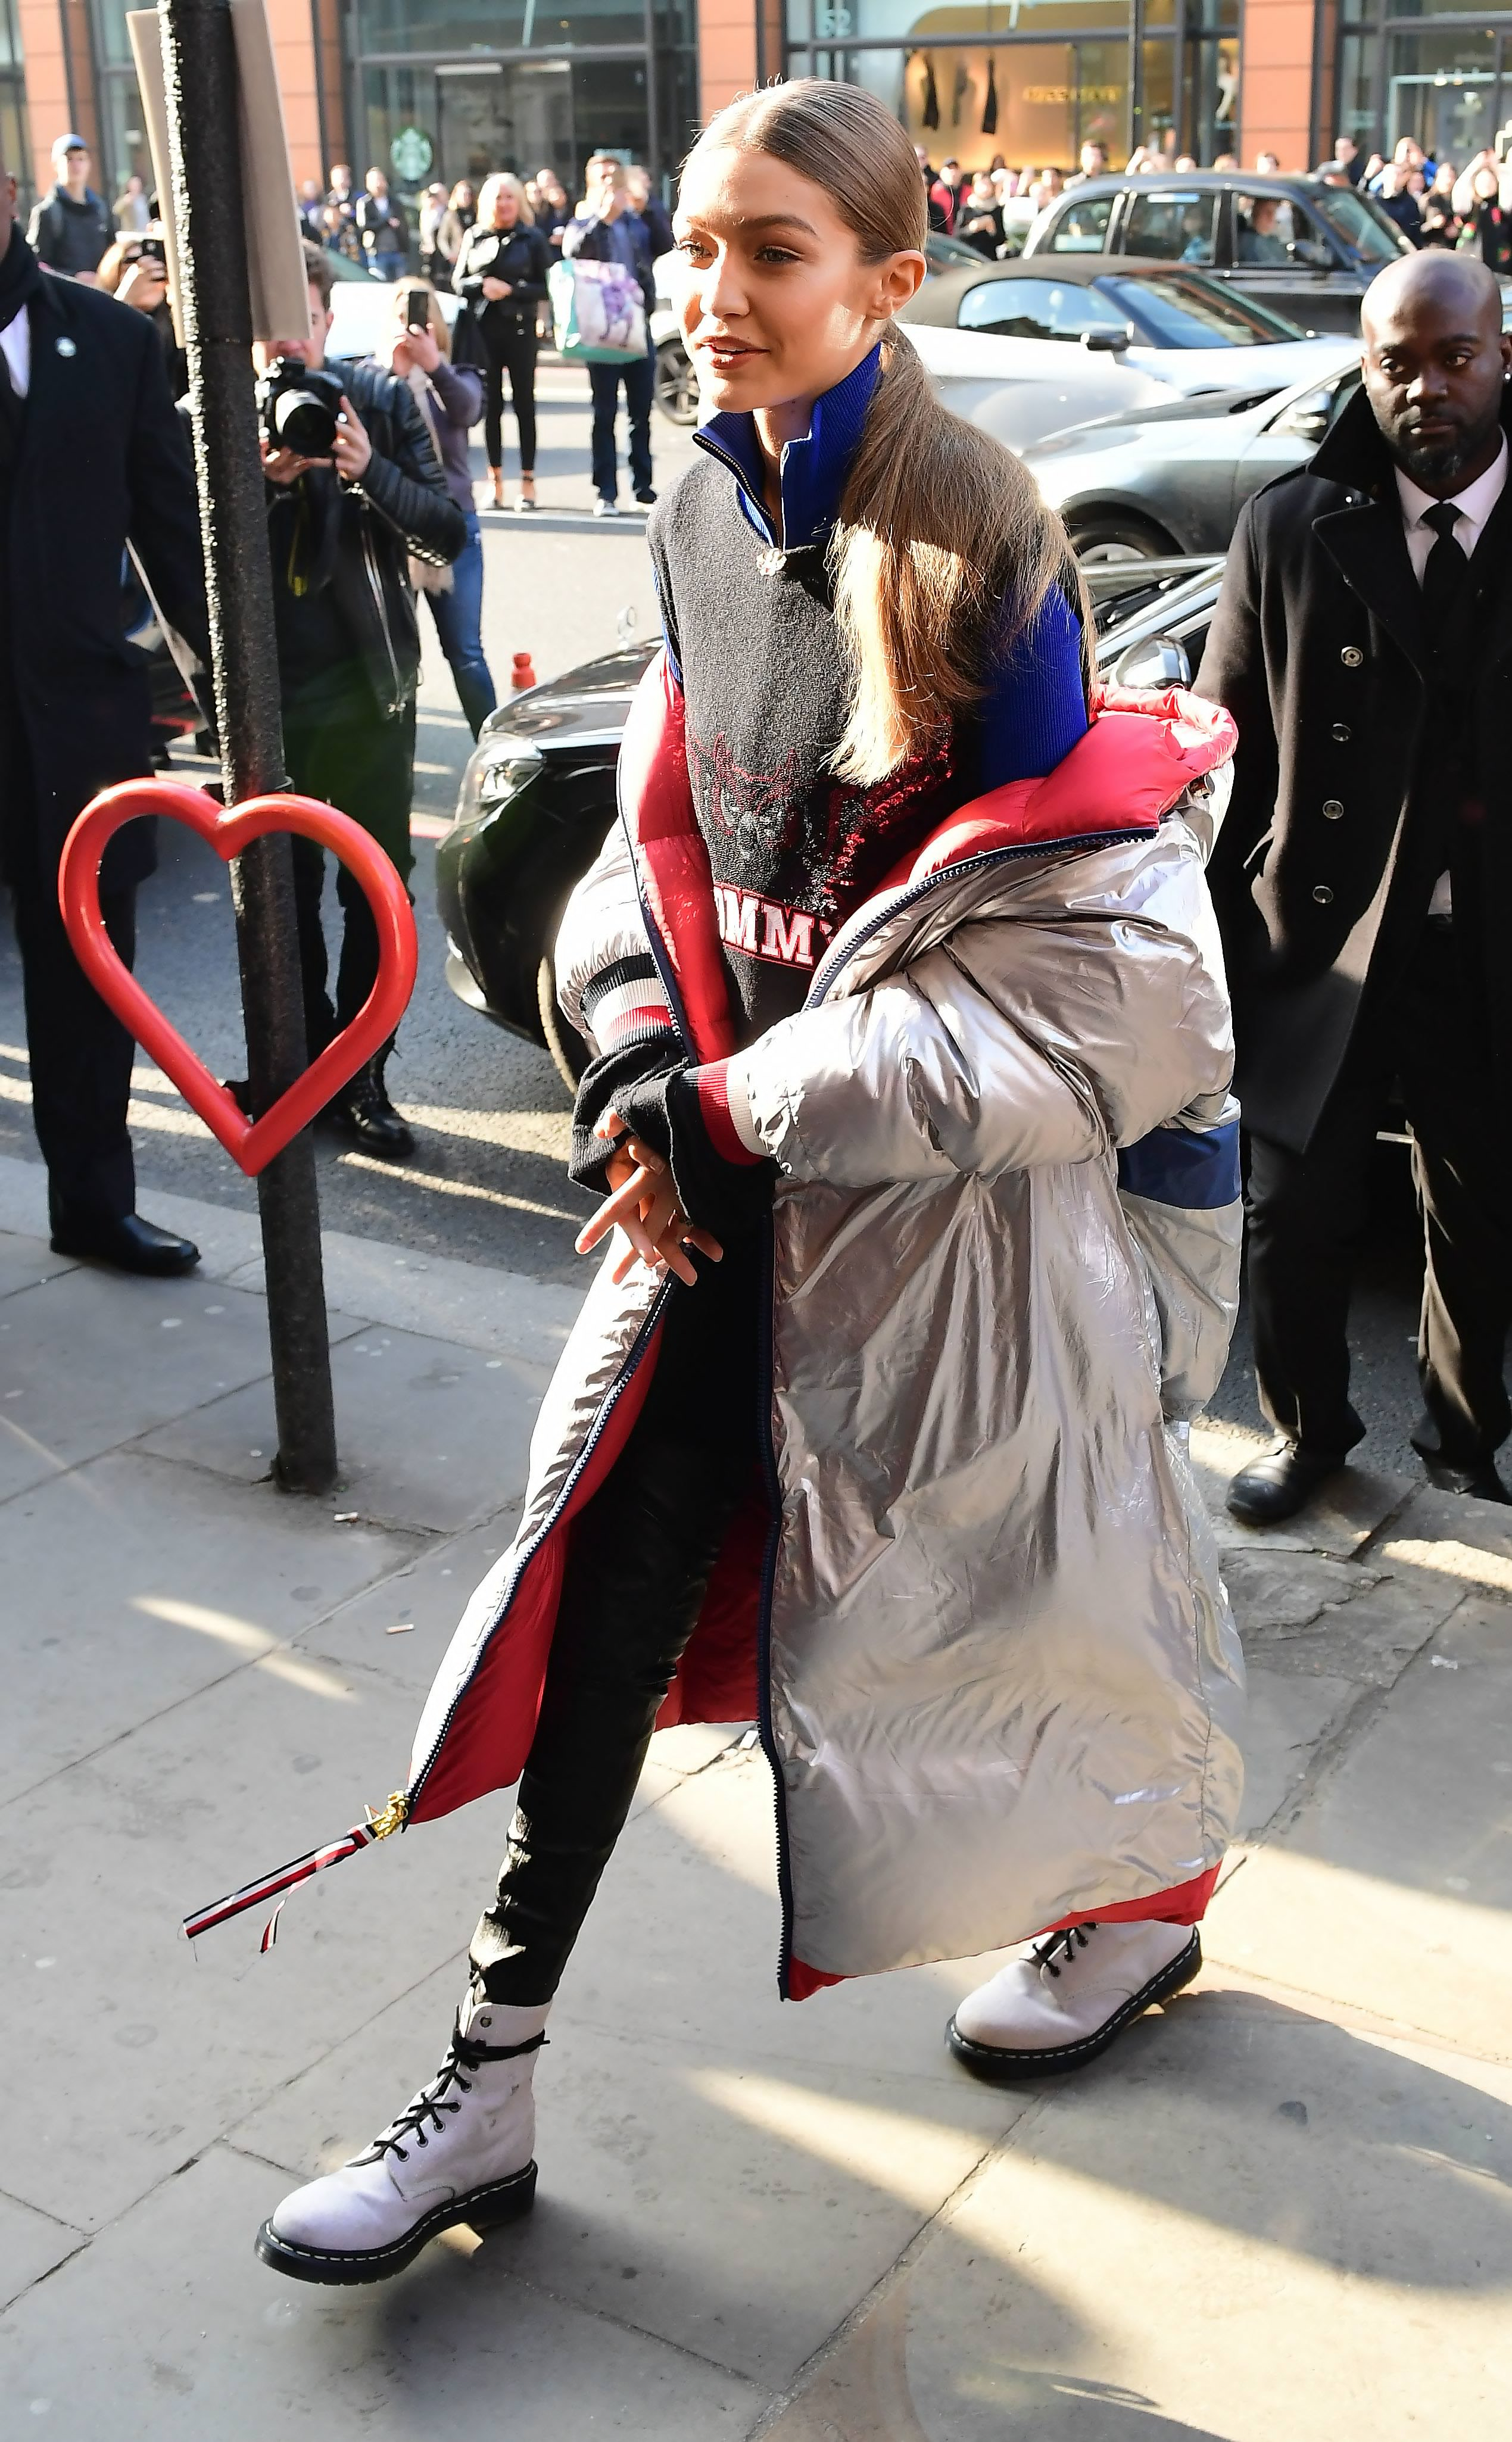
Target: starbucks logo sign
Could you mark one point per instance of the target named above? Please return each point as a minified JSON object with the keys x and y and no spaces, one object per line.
{"x":411,"y":154}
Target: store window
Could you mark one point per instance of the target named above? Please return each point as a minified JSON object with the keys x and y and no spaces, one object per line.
{"x":123,"y":149}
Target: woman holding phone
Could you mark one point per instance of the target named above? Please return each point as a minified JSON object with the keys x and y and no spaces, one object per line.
{"x":909,"y":1109}
{"x":502,"y":272}
{"x":450,"y":399}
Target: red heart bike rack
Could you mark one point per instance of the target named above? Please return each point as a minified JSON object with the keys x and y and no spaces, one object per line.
{"x":252,"y":1143}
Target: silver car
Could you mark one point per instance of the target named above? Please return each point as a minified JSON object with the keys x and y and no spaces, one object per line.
{"x":1160,"y":482}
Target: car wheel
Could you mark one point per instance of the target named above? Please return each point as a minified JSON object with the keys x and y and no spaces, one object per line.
{"x":677,"y":391}
{"x":1112,"y":541}
{"x":570,"y":1053}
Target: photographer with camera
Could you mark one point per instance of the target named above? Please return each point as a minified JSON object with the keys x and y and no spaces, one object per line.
{"x":355,"y":489}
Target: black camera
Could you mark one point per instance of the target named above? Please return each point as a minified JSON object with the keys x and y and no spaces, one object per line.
{"x":300,"y":407}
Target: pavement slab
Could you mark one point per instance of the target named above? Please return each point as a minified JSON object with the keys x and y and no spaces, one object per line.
{"x":1389,"y":1886}
{"x":1288,"y":1717}
{"x":1342,"y":1619}
{"x":32,"y":2244}
{"x":85,"y":1369}
{"x":401,"y":1627}
{"x":188,"y":2339}
{"x":168,"y":2043}
{"x":135,"y":1584}
{"x":431,"y":1435}
{"x":26,"y":1262}
{"x":1257,"y":2223}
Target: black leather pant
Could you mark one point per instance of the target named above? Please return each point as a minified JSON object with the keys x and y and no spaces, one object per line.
{"x":639,"y":1559}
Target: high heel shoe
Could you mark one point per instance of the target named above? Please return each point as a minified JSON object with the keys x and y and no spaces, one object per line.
{"x":497,"y":474}
{"x":527,"y":494}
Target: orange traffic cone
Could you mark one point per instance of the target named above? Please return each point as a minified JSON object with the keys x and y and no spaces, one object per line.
{"x":524,"y":674}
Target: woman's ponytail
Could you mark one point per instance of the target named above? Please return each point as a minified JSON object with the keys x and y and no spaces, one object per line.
{"x":944,"y":550}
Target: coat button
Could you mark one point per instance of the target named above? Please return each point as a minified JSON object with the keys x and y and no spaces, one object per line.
{"x":1322,"y":894}
{"x":1332,"y":810}
{"x":1352,"y":657}
{"x":1342,"y":733}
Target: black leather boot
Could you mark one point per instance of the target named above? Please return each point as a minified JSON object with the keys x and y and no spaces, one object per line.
{"x":363,"y":1114}
{"x":1277,"y":1486}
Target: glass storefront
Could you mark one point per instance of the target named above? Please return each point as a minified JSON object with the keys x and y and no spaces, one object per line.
{"x":1031,"y":82}
{"x":1427,"y":72}
{"x":452,"y":89}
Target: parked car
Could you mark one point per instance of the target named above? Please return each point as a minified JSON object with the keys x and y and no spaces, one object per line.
{"x":1150,"y":485}
{"x":1063,"y":331}
{"x":538,"y":797}
{"x":1308,"y":249}
{"x":677,"y":389}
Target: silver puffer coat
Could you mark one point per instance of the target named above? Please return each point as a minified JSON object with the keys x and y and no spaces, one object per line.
{"x":995,"y":1670}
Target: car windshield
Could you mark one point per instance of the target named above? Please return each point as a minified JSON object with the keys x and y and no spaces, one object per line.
{"x":1368,"y":233}
{"x":1185,"y":312}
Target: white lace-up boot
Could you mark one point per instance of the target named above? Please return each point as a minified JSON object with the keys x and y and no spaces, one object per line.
{"x":460,"y":2152}
{"x":1064,"y":2000}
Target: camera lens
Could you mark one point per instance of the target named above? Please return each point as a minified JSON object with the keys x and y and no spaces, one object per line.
{"x":303,"y":422}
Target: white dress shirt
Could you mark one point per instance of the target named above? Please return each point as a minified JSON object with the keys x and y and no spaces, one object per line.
{"x":1474,"y":505}
{"x":16,"y":342}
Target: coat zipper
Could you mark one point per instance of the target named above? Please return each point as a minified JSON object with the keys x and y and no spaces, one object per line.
{"x":642,"y":1341}
{"x":836,"y":959}
{"x":396,"y":702}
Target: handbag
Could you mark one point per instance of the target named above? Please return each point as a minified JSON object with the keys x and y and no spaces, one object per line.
{"x":597,"y":312}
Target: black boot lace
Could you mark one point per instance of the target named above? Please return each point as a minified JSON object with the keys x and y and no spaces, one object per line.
{"x":421,"y":2117}
{"x":1060,"y":1947}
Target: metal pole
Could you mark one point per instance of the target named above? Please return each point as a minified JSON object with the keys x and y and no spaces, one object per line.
{"x":199,"y":60}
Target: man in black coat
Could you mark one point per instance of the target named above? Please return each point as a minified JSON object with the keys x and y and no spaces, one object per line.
{"x":1363,"y":874}
{"x":91,"y":452}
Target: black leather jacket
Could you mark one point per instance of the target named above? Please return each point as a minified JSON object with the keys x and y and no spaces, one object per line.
{"x":520,"y":255}
{"x":400,"y":509}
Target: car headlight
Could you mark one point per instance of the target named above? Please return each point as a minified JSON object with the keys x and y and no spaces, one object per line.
{"x":500,"y":767}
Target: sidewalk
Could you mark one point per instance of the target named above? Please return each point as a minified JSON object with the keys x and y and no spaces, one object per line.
{"x":1279,"y":2212}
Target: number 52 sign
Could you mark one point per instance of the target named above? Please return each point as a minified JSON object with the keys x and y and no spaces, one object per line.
{"x":833,"y":22}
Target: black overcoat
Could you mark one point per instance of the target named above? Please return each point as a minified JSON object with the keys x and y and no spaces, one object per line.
{"x":103,"y":456}
{"x":1319,"y":649}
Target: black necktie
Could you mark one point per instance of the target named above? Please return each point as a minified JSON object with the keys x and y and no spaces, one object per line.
{"x":1447,"y":567}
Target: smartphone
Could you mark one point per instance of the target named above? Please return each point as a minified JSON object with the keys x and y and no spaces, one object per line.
{"x":152,"y":249}
{"x":417,"y":309}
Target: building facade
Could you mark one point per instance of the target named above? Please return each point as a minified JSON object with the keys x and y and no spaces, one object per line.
{"x":454,"y":89}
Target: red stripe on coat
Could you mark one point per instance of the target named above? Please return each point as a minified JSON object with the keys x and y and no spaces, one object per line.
{"x":1183,"y":1904}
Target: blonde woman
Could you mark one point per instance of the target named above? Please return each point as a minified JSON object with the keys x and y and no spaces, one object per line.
{"x":909,"y":1106}
{"x":502,"y":272}
{"x":450,"y":398}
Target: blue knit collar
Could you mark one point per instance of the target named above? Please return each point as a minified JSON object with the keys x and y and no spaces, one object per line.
{"x":813,"y":470}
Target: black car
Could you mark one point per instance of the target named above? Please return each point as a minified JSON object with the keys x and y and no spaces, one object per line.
{"x":538,"y":797}
{"x":1306,"y":249}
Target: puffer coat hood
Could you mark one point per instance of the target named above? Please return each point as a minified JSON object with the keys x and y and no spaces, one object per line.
{"x":976,"y":1610}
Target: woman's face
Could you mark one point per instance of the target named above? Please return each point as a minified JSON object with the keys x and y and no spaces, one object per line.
{"x":776,"y":302}
{"x":506,"y":211}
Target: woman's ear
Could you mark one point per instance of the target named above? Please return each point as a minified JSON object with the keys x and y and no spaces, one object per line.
{"x":898,"y":279}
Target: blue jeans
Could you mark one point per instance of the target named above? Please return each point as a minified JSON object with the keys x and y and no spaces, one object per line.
{"x":459,"y":624}
{"x":604,"y":382}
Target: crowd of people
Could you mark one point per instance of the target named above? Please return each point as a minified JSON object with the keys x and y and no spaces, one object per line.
{"x":1433,"y":202}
